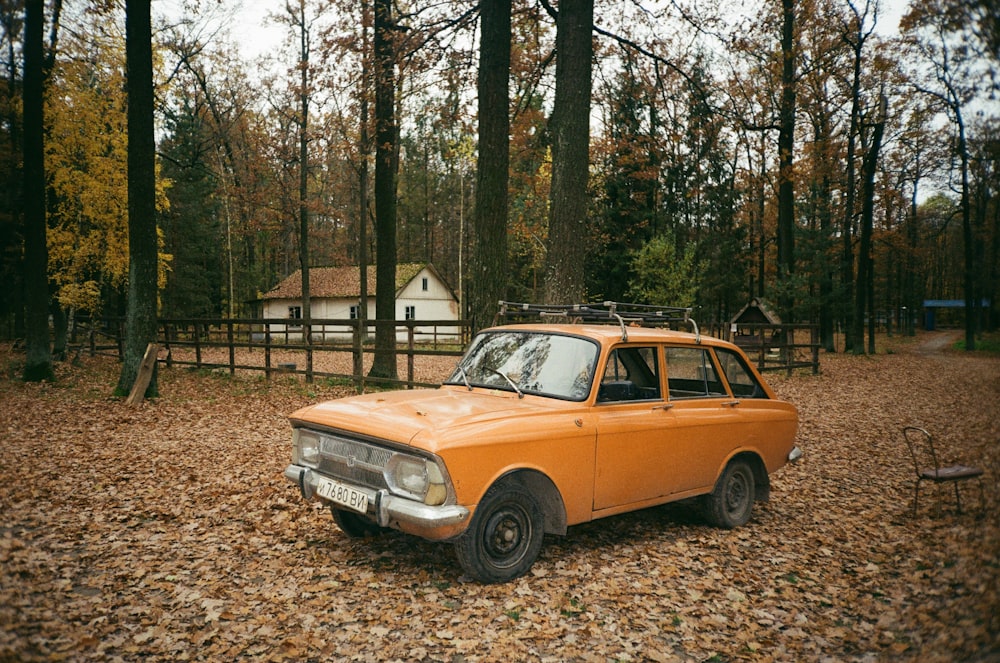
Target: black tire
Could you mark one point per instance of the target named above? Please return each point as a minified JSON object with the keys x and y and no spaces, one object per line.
{"x":730,"y":504}
{"x":505,"y":535}
{"x":354,"y":525}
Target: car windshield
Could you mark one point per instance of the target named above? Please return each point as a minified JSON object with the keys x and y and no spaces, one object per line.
{"x":529,"y":362}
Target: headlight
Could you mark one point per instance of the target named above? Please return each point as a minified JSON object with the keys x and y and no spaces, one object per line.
{"x":416,"y":478}
{"x":305,"y":446}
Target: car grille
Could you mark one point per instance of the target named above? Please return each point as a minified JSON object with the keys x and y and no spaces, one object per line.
{"x":352,"y":460}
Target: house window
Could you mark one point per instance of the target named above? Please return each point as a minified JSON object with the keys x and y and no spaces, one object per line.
{"x":354,"y":313}
{"x":424,"y":284}
{"x":294,"y":313}
{"x":411,"y":312}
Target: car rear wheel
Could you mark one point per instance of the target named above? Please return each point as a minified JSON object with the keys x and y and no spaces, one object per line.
{"x":730,"y":504}
{"x":354,"y":525}
{"x":505,"y":535}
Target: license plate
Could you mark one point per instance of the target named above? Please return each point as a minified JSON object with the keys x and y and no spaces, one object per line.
{"x":342,"y":494}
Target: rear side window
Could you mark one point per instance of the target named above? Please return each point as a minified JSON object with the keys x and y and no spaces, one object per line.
{"x":691,"y":374}
{"x":741,"y":380}
{"x":631,"y":373}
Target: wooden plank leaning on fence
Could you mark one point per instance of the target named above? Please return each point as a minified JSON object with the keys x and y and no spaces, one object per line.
{"x":143,"y":377}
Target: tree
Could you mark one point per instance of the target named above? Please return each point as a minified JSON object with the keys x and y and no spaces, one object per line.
{"x":488,"y":278}
{"x":12,"y":179}
{"x":86,"y":156}
{"x":570,"y":127}
{"x":386,"y":168}
{"x":630,"y":187}
{"x":865,"y":295}
{"x":855,"y":32}
{"x":941,"y":39}
{"x":297,"y":18}
{"x":663,"y":275}
{"x":140,"y":316}
{"x":38,"y":363}
{"x":786,"y":158}
{"x":192,"y":226}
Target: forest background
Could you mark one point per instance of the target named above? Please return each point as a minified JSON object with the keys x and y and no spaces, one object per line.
{"x":801,"y":151}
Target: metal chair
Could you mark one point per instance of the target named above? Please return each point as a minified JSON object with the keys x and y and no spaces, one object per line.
{"x":927,"y":467}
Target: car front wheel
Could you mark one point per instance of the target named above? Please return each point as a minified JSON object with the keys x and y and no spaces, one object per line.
{"x":505,"y":535}
{"x":729,"y":505}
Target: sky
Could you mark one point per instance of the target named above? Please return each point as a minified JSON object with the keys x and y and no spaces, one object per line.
{"x":256,"y":35}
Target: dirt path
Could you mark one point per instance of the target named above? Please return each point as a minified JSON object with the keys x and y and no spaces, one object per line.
{"x":938,"y":341}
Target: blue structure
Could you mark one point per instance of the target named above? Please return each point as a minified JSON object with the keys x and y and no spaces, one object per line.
{"x":931,"y":306}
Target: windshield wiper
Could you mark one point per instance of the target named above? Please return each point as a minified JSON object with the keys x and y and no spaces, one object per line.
{"x":465,"y":377}
{"x":520,"y":394}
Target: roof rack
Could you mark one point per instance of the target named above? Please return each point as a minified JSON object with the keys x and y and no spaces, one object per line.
{"x":625,"y":314}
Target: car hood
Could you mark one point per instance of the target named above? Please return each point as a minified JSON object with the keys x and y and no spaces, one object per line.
{"x":429,"y":418}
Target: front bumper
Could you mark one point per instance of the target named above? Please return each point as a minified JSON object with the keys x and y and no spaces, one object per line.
{"x":388,"y":510}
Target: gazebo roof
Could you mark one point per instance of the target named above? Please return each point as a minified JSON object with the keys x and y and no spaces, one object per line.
{"x":757,"y":311}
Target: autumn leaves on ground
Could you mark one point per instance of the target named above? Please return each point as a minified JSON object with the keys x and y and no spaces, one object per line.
{"x":167,"y":532}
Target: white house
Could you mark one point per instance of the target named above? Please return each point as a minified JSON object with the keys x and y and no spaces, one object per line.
{"x":335,"y":294}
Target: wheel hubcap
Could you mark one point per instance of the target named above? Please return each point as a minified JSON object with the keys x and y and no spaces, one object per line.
{"x":506,"y":535}
{"x":736,"y":496}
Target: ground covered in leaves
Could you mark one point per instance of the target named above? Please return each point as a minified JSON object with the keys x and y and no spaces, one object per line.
{"x":168,"y":532}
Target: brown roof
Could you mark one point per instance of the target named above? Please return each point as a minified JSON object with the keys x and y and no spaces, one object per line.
{"x":339,"y":282}
{"x":757,"y":311}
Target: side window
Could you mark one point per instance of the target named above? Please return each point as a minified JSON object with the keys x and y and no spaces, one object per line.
{"x":741,"y":380}
{"x":631,"y":374}
{"x":692,"y":374}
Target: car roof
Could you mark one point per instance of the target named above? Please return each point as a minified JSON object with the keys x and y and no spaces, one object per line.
{"x":608,"y":334}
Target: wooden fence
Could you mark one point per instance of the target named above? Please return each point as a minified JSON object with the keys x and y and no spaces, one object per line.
{"x":337,"y":350}
{"x":320,"y":348}
{"x":780,"y":347}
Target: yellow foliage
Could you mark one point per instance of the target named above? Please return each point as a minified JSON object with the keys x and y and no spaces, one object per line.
{"x":86,"y":164}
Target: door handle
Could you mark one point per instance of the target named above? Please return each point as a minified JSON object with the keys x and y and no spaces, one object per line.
{"x":664,"y":407}
{"x":732,"y":403}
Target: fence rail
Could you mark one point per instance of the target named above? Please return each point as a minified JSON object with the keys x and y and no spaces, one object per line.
{"x":337,"y":349}
{"x":318,"y":348}
{"x":780,"y":347}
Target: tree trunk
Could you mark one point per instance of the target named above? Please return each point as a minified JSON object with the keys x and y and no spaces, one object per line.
{"x":304,"y":186}
{"x":384,"y":364}
{"x":566,"y":249}
{"x":364,"y":147}
{"x":969,"y":273}
{"x":866,"y":276}
{"x":488,"y":282}
{"x":910,"y":294}
{"x":140,"y":315}
{"x":38,"y":364}
{"x":851,"y":336}
{"x":786,"y":175}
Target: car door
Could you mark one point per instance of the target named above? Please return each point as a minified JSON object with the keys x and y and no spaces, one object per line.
{"x":706,"y":423}
{"x":631,"y":415}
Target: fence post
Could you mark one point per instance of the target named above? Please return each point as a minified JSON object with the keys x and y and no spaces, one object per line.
{"x":267,"y":351}
{"x":789,"y":350}
{"x":232,"y":347}
{"x":166,"y":344}
{"x":307,"y":337}
{"x":358,"y":354}
{"x":197,"y":345}
{"x":814,"y":340}
{"x":410,"y":325}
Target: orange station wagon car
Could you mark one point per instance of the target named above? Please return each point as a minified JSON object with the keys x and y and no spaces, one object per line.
{"x":544,"y":425}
